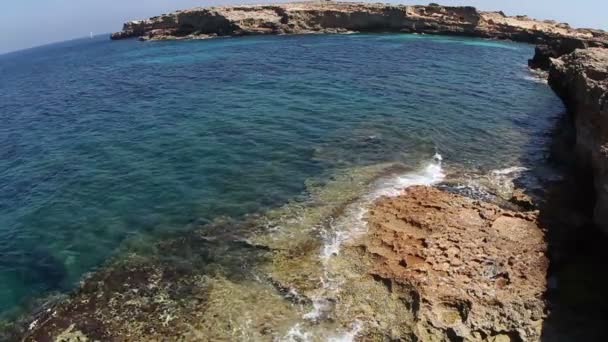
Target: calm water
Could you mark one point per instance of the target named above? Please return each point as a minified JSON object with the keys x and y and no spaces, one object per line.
{"x":102,"y":142}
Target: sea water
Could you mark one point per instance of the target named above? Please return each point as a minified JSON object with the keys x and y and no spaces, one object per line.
{"x":104,"y":142}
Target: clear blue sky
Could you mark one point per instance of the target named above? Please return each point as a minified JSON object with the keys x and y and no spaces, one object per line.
{"x":27,"y":23}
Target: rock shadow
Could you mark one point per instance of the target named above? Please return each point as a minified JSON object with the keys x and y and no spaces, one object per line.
{"x":577,"y":304}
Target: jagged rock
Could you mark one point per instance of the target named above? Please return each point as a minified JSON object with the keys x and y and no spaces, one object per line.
{"x":581,"y":79}
{"x":522,"y":200}
{"x":477,"y":271}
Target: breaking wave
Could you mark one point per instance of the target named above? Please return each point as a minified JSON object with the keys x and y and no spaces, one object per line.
{"x":350,"y":225}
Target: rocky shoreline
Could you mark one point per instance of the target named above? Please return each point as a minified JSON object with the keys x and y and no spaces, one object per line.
{"x":432,"y":266}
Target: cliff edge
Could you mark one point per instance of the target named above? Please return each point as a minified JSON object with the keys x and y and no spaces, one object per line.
{"x":581,"y":79}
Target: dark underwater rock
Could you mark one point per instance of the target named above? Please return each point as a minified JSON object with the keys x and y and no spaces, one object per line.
{"x":37,"y":268}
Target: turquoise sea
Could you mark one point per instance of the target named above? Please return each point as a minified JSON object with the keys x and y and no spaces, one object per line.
{"x":105,"y":142}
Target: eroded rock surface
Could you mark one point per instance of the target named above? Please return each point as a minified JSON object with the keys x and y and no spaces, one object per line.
{"x":475,"y":271}
{"x":581,"y":79}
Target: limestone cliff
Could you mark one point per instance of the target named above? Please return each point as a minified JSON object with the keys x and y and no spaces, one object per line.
{"x":555,"y":38}
{"x":581,"y":79}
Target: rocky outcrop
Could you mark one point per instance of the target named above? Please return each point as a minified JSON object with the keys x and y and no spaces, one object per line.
{"x":555,"y":39}
{"x":581,"y":79}
{"x":563,"y":45}
{"x":475,"y":272}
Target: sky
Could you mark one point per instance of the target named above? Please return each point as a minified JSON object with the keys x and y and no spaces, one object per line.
{"x":28,"y":23}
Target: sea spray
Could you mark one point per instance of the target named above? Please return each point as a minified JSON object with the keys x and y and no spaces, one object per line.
{"x":353,"y":224}
{"x":350,"y":225}
{"x":494,"y":186}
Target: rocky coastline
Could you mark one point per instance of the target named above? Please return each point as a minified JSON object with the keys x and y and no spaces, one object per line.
{"x":553,"y":39}
{"x":433,"y":266}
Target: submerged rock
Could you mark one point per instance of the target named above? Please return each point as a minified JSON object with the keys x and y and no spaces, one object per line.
{"x":474,"y":271}
{"x":521,"y":199}
{"x":431,"y":266}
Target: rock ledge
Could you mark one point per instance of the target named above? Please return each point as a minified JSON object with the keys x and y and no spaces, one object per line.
{"x":474,"y":271}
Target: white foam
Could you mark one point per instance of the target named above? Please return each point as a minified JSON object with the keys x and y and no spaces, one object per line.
{"x":334,"y":237}
{"x":348,"y":336}
{"x":320,"y":305}
{"x":536,"y":76}
{"x":352,"y":223}
{"x":431,"y":174}
{"x":347,"y":227}
{"x":509,"y":170}
{"x":503,"y":179}
{"x":536,"y":79}
{"x":297,"y":334}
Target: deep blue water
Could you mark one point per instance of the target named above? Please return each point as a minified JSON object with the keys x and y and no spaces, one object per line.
{"x":104,"y":141}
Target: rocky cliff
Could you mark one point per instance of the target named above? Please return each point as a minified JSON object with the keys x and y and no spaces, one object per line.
{"x":332,"y":17}
{"x":581,"y":79}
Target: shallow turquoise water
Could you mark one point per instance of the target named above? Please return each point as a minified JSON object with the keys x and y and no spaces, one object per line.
{"x":104,"y":141}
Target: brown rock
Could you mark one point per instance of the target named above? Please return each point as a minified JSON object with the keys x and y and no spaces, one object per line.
{"x":329,"y":16}
{"x":554,"y":39}
{"x":478,"y":271}
{"x":522,"y":200}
